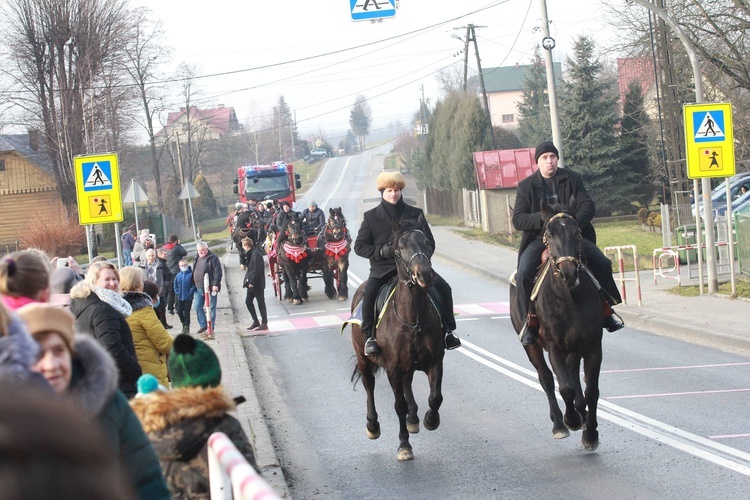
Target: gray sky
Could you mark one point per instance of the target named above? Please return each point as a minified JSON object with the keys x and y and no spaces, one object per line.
{"x":387,"y":62}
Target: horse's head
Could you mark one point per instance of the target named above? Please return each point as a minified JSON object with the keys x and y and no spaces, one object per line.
{"x":562,"y":237}
{"x":412,"y":250}
{"x":336,"y":226}
{"x":294,"y":232}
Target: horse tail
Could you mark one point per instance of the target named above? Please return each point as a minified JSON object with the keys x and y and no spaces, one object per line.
{"x":357,"y":376}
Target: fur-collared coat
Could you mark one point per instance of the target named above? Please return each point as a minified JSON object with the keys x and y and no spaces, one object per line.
{"x":107,"y":325}
{"x":93,"y":390}
{"x":152,"y":341}
{"x":179,"y":423}
{"x":18,"y":353}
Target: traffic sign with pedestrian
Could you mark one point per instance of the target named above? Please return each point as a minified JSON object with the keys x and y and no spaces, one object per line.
{"x":98,"y":188}
{"x":372,"y":10}
{"x":709,"y":140}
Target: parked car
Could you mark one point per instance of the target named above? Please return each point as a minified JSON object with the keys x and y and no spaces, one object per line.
{"x":719,"y":194}
{"x":319,"y":153}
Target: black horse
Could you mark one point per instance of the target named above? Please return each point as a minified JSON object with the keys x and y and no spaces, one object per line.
{"x":569,"y":308}
{"x":411,"y":337}
{"x":334,"y":247}
{"x":294,"y":257}
{"x":250,"y":225}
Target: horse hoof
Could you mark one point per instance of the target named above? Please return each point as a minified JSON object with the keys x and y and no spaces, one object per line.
{"x":560,"y":433}
{"x":297,"y":302}
{"x":413,"y":427}
{"x":372,"y":435}
{"x":431,"y":420}
{"x":590,"y":446}
{"x":342,"y":298}
{"x":290,"y":300}
{"x":405,"y":454}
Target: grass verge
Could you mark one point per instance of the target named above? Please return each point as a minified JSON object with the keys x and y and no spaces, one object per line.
{"x":742,"y":288}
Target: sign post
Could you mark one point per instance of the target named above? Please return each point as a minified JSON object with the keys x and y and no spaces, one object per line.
{"x":189,"y":192}
{"x":135,"y":194}
{"x":98,"y":194}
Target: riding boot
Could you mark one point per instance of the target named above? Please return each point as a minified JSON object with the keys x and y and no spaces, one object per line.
{"x":451,"y":341}
{"x":530,"y":331}
{"x":371,"y":346}
{"x":254,"y":325}
{"x":612,"y":320}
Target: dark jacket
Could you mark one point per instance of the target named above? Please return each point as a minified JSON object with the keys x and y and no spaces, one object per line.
{"x":167,"y":277}
{"x":213,"y":269}
{"x":255,"y":274}
{"x":175,"y":252}
{"x":179,"y":423}
{"x":377,"y":229}
{"x":108,"y":326}
{"x":18,"y":353}
{"x":282,"y":218}
{"x":184,"y":288}
{"x":93,"y":390}
{"x":314,"y":220}
{"x":161,"y":274}
{"x":527,"y":212}
{"x":128,"y":241}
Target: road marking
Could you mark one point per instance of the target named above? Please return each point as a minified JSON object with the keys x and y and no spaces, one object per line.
{"x":307,"y":313}
{"x":698,"y":446}
{"x":338,"y":184}
{"x":721,"y":365}
{"x":730,"y":436}
{"x":689,"y":393}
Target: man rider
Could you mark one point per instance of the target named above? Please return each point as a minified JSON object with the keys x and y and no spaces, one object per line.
{"x":313,"y":220}
{"x":555,"y":185}
{"x":375,"y":242}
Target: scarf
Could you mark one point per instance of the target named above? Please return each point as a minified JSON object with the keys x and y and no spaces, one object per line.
{"x":114,"y":299}
{"x":394,"y":211}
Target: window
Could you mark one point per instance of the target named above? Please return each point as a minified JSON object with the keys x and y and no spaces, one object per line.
{"x":508,"y":118}
{"x":2,"y":165}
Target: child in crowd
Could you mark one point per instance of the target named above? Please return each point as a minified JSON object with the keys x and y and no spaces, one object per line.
{"x":184,"y":289}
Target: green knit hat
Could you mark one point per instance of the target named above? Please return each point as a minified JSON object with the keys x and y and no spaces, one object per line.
{"x":193,"y":363}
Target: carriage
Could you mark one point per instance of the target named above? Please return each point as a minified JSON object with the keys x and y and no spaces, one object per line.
{"x":324,"y":255}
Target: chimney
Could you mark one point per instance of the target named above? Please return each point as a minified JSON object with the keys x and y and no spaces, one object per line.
{"x":34,"y":139}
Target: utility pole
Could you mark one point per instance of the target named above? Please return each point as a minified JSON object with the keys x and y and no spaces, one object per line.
{"x":182,"y":177}
{"x":548,"y":43}
{"x":471,"y":37}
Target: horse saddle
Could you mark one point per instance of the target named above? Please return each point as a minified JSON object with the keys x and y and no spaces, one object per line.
{"x":382,"y":301}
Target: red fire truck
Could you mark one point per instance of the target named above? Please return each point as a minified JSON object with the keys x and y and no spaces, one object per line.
{"x":267,"y":182}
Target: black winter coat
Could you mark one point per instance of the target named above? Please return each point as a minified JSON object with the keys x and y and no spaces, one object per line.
{"x":108,"y":326}
{"x":174,"y":254}
{"x":213,"y":269}
{"x":376,"y":230}
{"x":527,"y":212}
{"x":255,"y":274}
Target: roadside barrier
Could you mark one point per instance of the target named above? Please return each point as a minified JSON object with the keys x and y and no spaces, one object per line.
{"x":621,"y":266}
{"x":668,"y":253}
{"x":231,"y":476}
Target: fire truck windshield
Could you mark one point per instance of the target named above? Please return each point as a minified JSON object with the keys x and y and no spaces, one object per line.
{"x":266,"y":185}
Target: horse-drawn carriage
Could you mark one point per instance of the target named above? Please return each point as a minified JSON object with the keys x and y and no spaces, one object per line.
{"x":294,"y":257}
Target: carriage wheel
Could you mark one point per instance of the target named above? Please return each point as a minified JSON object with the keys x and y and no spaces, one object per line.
{"x":277,"y":281}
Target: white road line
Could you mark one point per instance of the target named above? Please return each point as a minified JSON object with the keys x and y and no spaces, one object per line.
{"x":717,"y":453}
{"x":307,"y":313}
{"x":338,"y":184}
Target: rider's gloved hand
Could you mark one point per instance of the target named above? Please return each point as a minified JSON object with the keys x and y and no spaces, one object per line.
{"x":386,"y":251}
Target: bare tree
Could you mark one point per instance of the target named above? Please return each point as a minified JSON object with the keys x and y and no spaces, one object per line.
{"x":360,"y":119}
{"x":143,"y":56}
{"x":59,"y":52}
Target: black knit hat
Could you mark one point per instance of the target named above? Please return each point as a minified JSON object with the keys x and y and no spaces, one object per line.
{"x":545,"y":147}
{"x":193,"y":363}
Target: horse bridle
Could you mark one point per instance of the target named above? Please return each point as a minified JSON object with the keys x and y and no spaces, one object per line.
{"x":399,"y":260}
{"x":556,"y":261}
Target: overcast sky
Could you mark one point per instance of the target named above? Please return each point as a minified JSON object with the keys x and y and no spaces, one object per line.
{"x":320,"y":60}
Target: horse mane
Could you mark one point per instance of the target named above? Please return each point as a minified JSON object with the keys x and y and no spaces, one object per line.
{"x":548,"y":211}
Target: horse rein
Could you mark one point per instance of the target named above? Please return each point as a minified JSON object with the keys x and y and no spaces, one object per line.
{"x":556,"y":261}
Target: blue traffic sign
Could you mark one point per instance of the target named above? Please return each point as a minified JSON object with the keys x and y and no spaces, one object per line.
{"x":708,"y":126}
{"x":97,"y":176}
{"x":372,"y":10}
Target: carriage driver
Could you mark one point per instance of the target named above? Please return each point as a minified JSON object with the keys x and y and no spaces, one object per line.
{"x":375,"y":242}
{"x":556,"y":186}
{"x":313,"y":219}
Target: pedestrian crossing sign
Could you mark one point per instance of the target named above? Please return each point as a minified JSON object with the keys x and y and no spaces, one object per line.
{"x":372,"y":10}
{"x":98,"y":188}
{"x":709,"y":140}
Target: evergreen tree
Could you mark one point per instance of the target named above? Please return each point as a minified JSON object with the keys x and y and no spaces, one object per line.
{"x":534,"y":125}
{"x":634,"y":141}
{"x":360,"y":120}
{"x":204,"y":207}
{"x":506,"y":138}
{"x":588,"y":119}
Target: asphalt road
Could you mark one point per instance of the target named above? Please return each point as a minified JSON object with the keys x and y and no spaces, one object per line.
{"x":658,"y":437}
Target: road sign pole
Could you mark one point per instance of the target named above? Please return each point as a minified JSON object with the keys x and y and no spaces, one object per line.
{"x":118,"y":246}
{"x":192,"y":217}
{"x":88,"y":244}
{"x":730,"y":238}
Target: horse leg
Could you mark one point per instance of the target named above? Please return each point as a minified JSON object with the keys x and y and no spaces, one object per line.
{"x":573,"y":420}
{"x":343,"y":287}
{"x":574,"y":367}
{"x":302,"y":287}
{"x":288,"y":295}
{"x":591,"y":366}
{"x":396,"y":378}
{"x":536,"y":355}
{"x":294,"y":284}
{"x":435,"y":377}
{"x":412,"y":417}
{"x":328,"y":280}
{"x":372,"y":428}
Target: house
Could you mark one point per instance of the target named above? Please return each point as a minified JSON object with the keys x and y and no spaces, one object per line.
{"x":27,"y":185}
{"x":504,"y":87}
{"x":640,"y":70}
{"x":207,"y":124}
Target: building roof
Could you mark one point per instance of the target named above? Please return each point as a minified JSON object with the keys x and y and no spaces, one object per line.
{"x":510,"y":78}
{"x":634,"y":69}
{"x":21,"y":145}
{"x":221,"y":119}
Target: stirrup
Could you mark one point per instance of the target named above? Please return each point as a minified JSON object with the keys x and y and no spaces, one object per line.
{"x":372,"y":348}
{"x":451,"y":341}
{"x":613,"y":322}
{"x":528,"y":334}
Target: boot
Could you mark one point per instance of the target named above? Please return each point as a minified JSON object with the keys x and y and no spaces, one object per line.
{"x":372,"y":348}
{"x":254,"y":325}
{"x":530,"y":331}
{"x":263,"y":326}
{"x":451,"y":341}
{"x":612,"y":320}
{"x":185,"y":330}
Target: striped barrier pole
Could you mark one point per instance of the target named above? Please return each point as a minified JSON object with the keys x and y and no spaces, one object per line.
{"x":207,"y":306}
{"x":231,"y":476}
{"x":621,"y":266}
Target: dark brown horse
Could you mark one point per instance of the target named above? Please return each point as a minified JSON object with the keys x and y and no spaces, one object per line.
{"x":248,"y":225}
{"x":411,"y":337}
{"x":293,"y":257}
{"x":334,"y":248}
{"x":569,"y":308}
